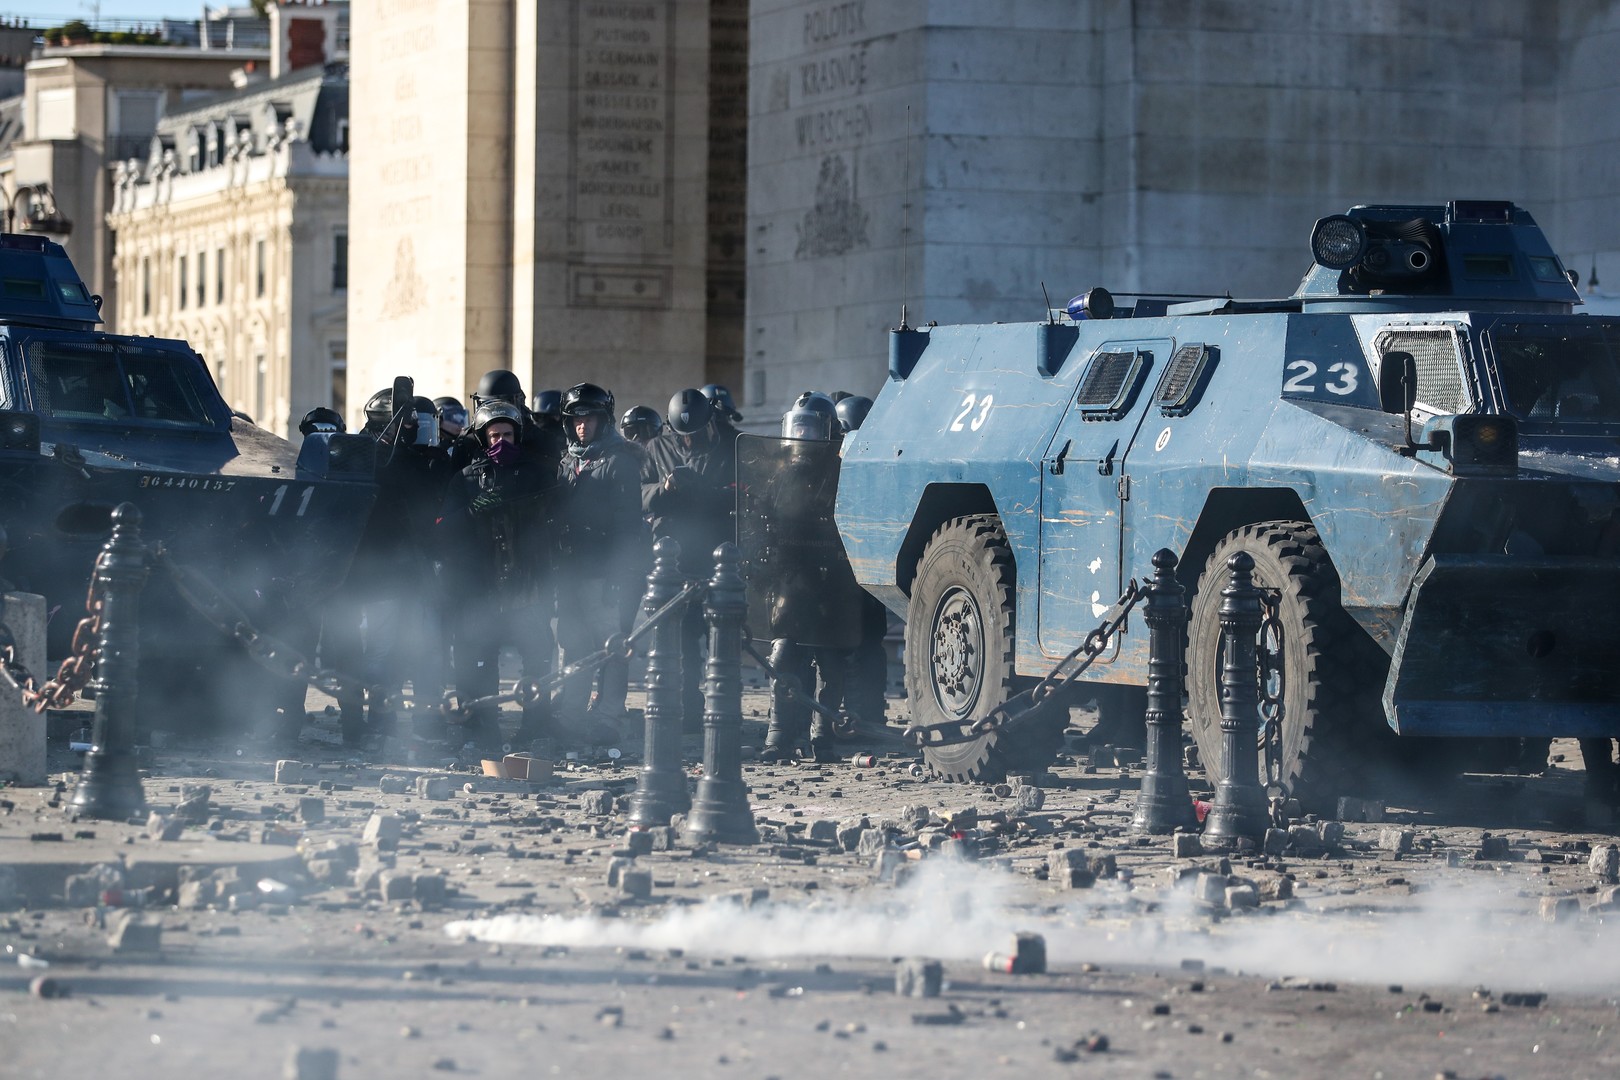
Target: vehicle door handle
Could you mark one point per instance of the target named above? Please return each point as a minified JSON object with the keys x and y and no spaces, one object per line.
{"x":1056,"y":466}
{"x":1105,"y":467}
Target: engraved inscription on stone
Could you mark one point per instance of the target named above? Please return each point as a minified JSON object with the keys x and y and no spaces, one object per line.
{"x":620,"y":197}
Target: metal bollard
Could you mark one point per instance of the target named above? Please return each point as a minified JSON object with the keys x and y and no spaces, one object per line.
{"x":110,"y":788}
{"x":721,"y":811}
{"x":1164,"y":805}
{"x":661,"y":787}
{"x":1239,"y":808}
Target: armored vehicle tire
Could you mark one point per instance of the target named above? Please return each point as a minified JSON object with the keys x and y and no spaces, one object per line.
{"x":959,"y":652}
{"x":1332,"y":672}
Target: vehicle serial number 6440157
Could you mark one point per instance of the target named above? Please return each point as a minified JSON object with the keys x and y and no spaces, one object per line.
{"x":190,"y":483}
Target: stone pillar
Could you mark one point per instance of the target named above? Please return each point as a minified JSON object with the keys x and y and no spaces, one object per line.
{"x":22,"y":730}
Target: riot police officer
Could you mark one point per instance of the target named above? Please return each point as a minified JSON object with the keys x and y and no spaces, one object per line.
{"x":548,"y":421}
{"x":726,"y":416}
{"x":641,"y":424}
{"x":605,"y":551}
{"x":688,"y":491}
{"x":321,"y":420}
{"x":496,"y":525}
{"x":813,"y":418}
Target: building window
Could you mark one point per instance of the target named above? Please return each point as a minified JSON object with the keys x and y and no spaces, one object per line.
{"x":202,"y":279}
{"x":146,"y":285}
{"x":259,"y":267}
{"x":340,"y":376}
{"x":340,"y":261}
{"x":219,"y":275}
{"x":181,"y":270}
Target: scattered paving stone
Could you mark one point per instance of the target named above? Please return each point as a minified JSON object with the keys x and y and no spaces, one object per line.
{"x":636,"y":884}
{"x":132,"y":933}
{"x":616,"y":867}
{"x":1367,"y":811}
{"x":1210,"y":888}
{"x":383,"y":831}
{"x":1305,"y":841}
{"x":1331,"y":833}
{"x":311,"y":809}
{"x":596,"y":803}
{"x":1397,"y":841}
{"x":289,"y":772}
{"x":435,"y":788}
{"x":194,"y":804}
{"x":1030,"y":799}
{"x":396,"y":885}
{"x":1604,"y":862}
{"x":1559,"y":908}
{"x":159,"y":827}
{"x":1524,"y":1000}
{"x":952,"y":1015}
{"x":1186,"y":845}
{"x":310,"y":1063}
{"x":393,"y":784}
{"x":919,"y":978}
{"x":1494,"y":848}
{"x":663,"y":838}
{"x":824,"y":830}
{"x":1242,"y":896}
{"x":638,"y":842}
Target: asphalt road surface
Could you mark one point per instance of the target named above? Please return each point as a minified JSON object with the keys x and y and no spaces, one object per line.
{"x":390,"y":918}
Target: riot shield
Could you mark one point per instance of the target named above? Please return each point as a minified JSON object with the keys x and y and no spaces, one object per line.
{"x":800,"y":585}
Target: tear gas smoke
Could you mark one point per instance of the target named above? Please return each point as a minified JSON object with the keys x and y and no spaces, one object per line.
{"x":1462,"y":933}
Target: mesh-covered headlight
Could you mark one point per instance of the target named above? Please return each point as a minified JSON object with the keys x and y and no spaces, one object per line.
{"x":1338,"y":242}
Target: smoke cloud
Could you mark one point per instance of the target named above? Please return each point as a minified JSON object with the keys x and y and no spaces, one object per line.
{"x":1461,"y":933}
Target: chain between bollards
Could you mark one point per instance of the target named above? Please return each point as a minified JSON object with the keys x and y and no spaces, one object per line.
{"x":1164,"y":804}
{"x":721,"y":811}
{"x":661,"y":787}
{"x":110,"y":788}
{"x":1239,"y":810}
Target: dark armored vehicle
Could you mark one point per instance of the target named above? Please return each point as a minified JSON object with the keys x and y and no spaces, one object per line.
{"x":89,"y":420}
{"x":1420,"y":449}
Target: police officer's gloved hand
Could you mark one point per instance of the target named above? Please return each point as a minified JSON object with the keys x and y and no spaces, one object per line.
{"x":485,"y":502}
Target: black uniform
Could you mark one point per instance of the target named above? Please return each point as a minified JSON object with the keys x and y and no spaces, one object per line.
{"x":698,"y":512}
{"x":604,"y":553}
{"x":376,"y":627}
{"x":496,"y":552}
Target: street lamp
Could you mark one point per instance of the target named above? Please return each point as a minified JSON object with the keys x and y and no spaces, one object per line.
{"x":42,"y":215}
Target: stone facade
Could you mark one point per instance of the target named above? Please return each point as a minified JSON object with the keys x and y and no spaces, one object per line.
{"x":232,"y":234}
{"x":954,"y":155}
{"x":534,"y":183}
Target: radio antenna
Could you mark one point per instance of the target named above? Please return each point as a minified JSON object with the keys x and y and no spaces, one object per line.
{"x":1048,"y":298}
{"x":905,"y":229}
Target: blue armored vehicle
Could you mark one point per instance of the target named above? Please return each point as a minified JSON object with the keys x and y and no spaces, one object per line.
{"x":89,"y":420}
{"x":1420,"y":449}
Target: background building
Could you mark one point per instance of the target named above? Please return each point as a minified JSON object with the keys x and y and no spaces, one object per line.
{"x":556,"y":188}
{"x":232,"y":234}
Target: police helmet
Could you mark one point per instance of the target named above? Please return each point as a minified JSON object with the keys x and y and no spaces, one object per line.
{"x":812,"y":417}
{"x":548,"y":406}
{"x":585,"y":399}
{"x":499,"y":385}
{"x":690,"y":412}
{"x":451,"y":412}
{"x":321,"y":419}
{"x":641,"y":422}
{"x":491,"y":411}
{"x":427,"y":421}
{"x":840,"y":395}
{"x":852,"y":411}
{"x":380,"y":407}
{"x":720,"y":398}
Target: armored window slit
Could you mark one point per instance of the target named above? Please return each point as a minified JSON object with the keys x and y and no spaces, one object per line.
{"x":1440,"y":387}
{"x":1184,"y":379}
{"x":1110,"y":384}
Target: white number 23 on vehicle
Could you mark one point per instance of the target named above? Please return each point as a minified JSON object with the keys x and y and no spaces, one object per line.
{"x":1341,"y":378}
{"x":976,"y":407}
